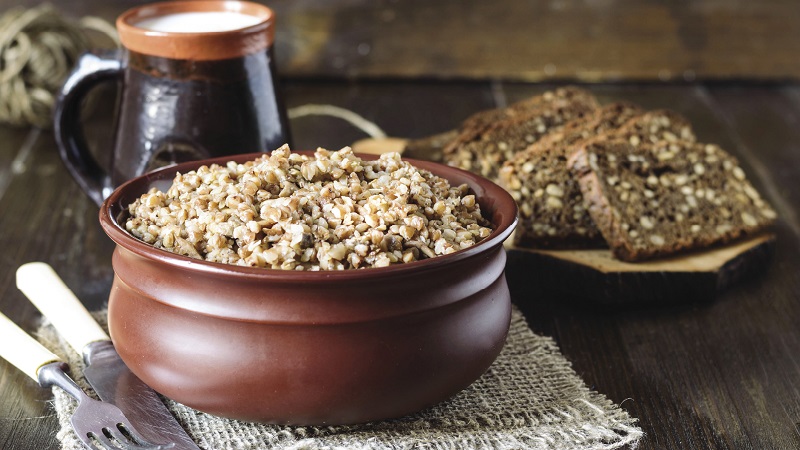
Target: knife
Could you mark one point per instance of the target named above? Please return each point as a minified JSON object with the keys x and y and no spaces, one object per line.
{"x":105,"y":371}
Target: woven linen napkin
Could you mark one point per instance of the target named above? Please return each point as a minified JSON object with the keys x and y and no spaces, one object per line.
{"x":530,"y":398}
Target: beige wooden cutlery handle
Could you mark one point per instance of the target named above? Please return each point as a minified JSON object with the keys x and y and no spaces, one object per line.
{"x":21,"y":350}
{"x":40,"y":283}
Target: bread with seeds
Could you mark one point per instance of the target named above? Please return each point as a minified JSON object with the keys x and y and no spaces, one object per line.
{"x":543,"y":166}
{"x":490,"y":138}
{"x":552,"y":213}
{"x":478,"y":123}
{"x":657,"y":199}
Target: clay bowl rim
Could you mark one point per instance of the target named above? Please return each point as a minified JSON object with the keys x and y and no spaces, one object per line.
{"x":504,"y":210}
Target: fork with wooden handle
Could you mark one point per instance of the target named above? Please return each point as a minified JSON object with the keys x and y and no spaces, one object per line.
{"x":95,"y":422}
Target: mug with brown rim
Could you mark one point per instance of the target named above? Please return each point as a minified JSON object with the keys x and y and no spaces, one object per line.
{"x":197,"y":80}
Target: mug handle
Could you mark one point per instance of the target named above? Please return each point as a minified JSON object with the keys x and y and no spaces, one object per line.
{"x":91,"y":69}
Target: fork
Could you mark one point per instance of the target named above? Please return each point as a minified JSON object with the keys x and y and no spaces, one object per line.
{"x":97,"y":424}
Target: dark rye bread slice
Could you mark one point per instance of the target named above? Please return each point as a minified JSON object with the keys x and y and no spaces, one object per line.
{"x":573,"y":227}
{"x":483,"y":145}
{"x":479,"y":122}
{"x":603,"y":120}
{"x":659,"y":199}
{"x":552,"y":213}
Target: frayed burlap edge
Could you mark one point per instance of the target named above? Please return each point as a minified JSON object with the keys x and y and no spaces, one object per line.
{"x":529,"y":399}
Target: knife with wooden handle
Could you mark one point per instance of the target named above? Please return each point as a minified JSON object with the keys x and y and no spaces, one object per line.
{"x":105,"y":371}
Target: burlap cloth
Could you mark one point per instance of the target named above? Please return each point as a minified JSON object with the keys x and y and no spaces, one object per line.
{"x":530,"y":398}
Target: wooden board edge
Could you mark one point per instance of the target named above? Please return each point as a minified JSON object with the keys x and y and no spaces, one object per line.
{"x":548,"y":275}
{"x":709,"y":260}
{"x":751,"y":262}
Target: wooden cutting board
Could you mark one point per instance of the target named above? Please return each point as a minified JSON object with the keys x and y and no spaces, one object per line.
{"x":594,"y":274}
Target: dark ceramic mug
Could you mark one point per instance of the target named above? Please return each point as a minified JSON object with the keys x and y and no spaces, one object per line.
{"x":197,"y":81}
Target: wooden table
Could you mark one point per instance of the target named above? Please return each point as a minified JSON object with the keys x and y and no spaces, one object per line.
{"x":718,"y":375}
{"x":715,"y":375}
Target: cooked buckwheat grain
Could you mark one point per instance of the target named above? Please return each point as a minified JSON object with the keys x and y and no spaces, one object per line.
{"x":288,"y":211}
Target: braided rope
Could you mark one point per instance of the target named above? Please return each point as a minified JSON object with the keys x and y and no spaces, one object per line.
{"x":38,"y":48}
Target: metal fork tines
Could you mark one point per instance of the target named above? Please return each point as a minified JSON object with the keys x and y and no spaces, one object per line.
{"x":99,"y":425}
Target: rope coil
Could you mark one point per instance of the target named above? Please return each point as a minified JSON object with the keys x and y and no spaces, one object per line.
{"x":38,"y":48}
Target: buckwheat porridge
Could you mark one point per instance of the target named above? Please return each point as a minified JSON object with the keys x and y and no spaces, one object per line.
{"x":331,"y":211}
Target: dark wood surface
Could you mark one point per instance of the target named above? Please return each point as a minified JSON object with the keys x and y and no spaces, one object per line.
{"x":588,"y":41}
{"x":711,"y":375}
{"x":723,"y":374}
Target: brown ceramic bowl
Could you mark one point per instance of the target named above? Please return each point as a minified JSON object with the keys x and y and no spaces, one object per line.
{"x":335,"y":347}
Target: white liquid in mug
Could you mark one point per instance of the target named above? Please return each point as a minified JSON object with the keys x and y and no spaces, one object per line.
{"x":199,"y":22}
